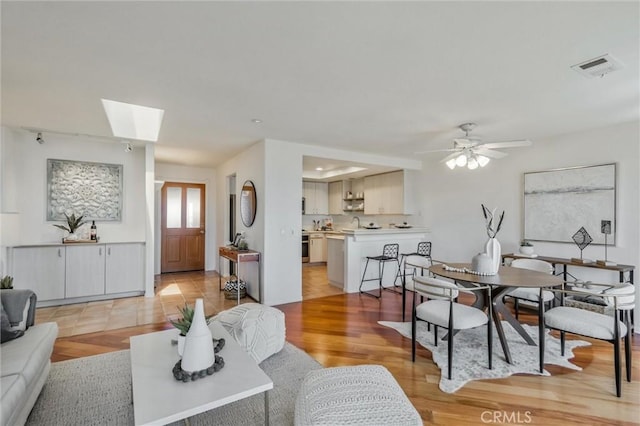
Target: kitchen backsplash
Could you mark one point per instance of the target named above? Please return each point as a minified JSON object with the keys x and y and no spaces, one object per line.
{"x":346,"y":221}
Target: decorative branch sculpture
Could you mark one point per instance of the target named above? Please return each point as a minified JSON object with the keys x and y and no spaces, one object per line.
{"x":489,"y":217}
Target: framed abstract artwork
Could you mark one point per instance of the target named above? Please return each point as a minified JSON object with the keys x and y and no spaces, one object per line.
{"x":93,"y":190}
{"x":559,"y":202}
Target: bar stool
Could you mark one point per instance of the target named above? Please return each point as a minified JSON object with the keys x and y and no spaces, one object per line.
{"x":389,"y":254}
{"x":424,"y":250}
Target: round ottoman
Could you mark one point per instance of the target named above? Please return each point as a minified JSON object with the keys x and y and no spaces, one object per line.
{"x":359,"y":395}
{"x":259,"y":329}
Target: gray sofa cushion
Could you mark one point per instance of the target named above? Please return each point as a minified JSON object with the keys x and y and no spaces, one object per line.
{"x":7,"y":332}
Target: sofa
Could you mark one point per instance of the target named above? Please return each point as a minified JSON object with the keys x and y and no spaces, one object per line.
{"x":25,"y":355}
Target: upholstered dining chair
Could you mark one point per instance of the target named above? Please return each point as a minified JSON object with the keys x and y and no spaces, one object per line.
{"x":417,"y":265}
{"x":589,"y":323}
{"x":530,"y":294}
{"x":442,"y":311}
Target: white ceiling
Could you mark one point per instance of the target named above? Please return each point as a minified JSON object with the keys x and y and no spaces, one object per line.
{"x":388,"y":78}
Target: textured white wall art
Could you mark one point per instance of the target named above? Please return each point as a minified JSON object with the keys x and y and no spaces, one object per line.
{"x":558,"y":202}
{"x":93,"y":190}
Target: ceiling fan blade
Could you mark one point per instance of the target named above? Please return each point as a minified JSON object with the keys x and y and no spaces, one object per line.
{"x":490,"y":153}
{"x":438,"y":150}
{"x":506,"y":144}
{"x":450,"y":156}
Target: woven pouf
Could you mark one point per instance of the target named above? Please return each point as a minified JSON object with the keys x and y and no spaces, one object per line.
{"x":360,"y":395}
{"x":258,"y":329}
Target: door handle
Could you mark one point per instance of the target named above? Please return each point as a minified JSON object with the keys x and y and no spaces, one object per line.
{"x":100,"y":251}
{"x":201,"y":231}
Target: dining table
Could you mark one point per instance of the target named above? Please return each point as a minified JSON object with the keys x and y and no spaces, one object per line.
{"x":507,"y":279}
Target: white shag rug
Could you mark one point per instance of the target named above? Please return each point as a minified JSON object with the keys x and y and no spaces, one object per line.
{"x":96,"y":390}
{"x":470,"y":360}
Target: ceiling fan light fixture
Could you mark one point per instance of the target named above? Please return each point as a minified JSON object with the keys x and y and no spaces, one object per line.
{"x":472,"y":164}
{"x":451,"y":163}
{"x":482,"y":160}
{"x":461,"y":160}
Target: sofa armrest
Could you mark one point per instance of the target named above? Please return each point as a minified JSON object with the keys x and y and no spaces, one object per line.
{"x":14,"y":302}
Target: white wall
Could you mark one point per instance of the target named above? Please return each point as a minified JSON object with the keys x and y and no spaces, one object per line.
{"x":24,"y":184}
{"x":451,"y":199}
{"x":206,"y":176}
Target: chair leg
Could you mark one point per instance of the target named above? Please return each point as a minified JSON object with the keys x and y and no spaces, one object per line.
{"x":413,"y":334}
{"x":541,"y":341}
{"x":404,"y":302}
{"x":627,"y":348}
{"x":562,"y":343}
{"x":490,"y":342}
{"x":435,"y":334}
{"x":616,"y":362}
{"x":516,"y":306}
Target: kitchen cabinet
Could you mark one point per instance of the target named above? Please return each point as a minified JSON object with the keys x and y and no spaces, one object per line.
{"x":124,"y":268}
{"x":335,"y":260}
{"x":316,"y":196}
{"x":388,"y":193}
{"x":84,"y":271}
{"x":336,"y":193}
{"x":317,"y":250}
{"x":41,"y":269}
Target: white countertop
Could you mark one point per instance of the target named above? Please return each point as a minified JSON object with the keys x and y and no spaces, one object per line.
{"x":365,"y":231}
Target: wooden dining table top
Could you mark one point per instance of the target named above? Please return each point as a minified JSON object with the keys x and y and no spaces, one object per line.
{"x":507,"y":276}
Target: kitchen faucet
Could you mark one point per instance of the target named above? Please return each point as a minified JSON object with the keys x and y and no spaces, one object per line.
{"x":356,"y":218}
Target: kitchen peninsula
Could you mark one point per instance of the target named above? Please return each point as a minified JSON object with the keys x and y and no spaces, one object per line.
{"x":357,"y":244}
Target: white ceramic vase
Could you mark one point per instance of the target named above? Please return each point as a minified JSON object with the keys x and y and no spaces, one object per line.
{"x":181,"y":340}
{"x":198,"y":346}
{"x":482,"y":263}
{"x":493,"y":250}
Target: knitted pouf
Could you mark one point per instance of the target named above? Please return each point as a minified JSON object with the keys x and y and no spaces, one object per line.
{"x":259,"y":329}
{"x":360,"y":395}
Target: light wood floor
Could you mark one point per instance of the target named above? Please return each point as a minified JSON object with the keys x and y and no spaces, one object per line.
{"x":343,"y":330}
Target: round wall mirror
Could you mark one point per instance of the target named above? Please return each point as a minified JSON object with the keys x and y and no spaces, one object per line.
{"x":248,"y":203}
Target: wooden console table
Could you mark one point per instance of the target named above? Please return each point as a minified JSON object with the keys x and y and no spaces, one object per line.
{"x":622,"y":269}
{"x":239,"y":257}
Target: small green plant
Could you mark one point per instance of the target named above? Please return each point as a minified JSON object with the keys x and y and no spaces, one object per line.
{"x":73,"y":223}
{"x":6,"y":282}
{"x":184,"y":323}
{"x":525,"y":243}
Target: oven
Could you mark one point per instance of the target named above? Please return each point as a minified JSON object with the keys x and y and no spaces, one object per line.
{"x":305,"y":248}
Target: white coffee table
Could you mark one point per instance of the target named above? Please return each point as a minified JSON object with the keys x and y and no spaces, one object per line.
{"x":158,"y":398}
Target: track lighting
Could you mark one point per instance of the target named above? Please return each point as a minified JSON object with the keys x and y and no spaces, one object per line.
{"x":127,"y":146}
{"x":39,"y":138}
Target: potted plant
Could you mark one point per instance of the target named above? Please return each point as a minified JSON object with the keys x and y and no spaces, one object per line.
{"x":6,"y":282}
{"x":73,"y":223}
{"x":526,"y":248}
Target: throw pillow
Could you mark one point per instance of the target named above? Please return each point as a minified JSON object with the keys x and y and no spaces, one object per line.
{"x":7,"y":333}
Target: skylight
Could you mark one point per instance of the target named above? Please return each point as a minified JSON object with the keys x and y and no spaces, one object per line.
{"x":131,"y":121}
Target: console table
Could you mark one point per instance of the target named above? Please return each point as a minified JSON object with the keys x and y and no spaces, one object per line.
{"x":239,"y":257}
{"x":622,"y":269}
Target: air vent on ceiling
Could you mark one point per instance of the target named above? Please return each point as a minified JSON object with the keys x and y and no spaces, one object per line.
{"x":598,"y":67}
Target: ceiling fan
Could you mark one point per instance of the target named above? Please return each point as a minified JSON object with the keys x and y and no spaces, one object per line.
{"x":470,"y":151}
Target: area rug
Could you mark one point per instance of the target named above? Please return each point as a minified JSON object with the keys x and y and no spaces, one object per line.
{"x":470,"y":360}
{"x":96,"y":390}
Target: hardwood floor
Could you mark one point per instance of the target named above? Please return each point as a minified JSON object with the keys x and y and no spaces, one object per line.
{"x":343,"y":330}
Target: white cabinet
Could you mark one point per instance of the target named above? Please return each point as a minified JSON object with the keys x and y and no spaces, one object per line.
{"x":317,"y":251}
{"x":387,"y":193}
{"x":41,"y":269}
{"x":124,"y":269}
{"x":85,"y":271}
{"x":316,"y":196}
{"x":336,"y":193}
{"x":335,"y":261}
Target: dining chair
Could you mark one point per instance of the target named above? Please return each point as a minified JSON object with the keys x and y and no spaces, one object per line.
{"x":442,"y":311}
{"x":588,"y":323}
{"x":530,"y":294}
{"x":418,"y":265}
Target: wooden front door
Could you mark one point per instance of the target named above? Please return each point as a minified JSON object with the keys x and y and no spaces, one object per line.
{"x":183,"y":225}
